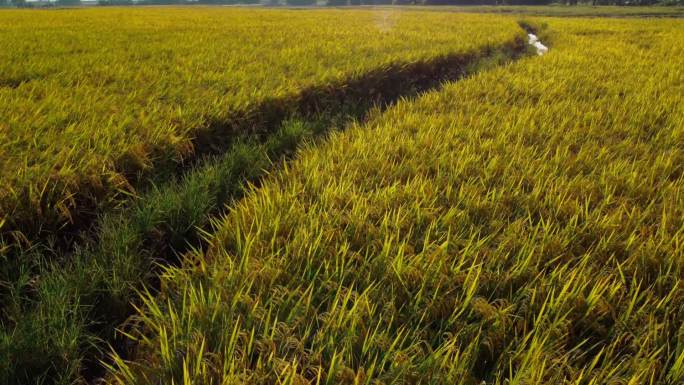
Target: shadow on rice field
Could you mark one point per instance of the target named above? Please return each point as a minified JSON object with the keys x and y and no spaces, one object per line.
{"x":65,"y":302}
{"x":522,"y":226}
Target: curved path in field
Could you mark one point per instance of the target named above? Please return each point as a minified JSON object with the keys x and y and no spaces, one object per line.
{"x":173,"y":217}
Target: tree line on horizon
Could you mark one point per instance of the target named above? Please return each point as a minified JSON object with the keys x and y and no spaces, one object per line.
{"x":44,"y":3}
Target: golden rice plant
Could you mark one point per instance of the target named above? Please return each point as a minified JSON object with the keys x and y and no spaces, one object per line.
{"x":523,"y":226}
{"x":92,"y":98}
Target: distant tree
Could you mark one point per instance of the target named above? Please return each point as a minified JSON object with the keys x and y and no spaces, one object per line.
{"x":530,"y":2}
{"x":336,"y":3}
{"x":68,"y":2}
{"x":216,"y":1}
{"x":300,"y":2}
{"x":460,"y":2}
{"x":115,"y":2}
{"x":161,"y":2}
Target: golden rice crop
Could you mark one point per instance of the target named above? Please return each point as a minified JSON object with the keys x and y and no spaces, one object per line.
{"x":524,"y":226}
{"x":91,"y":97}
{"x":583,"y":10}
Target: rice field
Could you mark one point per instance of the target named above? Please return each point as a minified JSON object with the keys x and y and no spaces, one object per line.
{"x":92,"y":98}
{"x":210,"y":195}
{"x":114,"y":114}
{"x":563,"y":10}
{"x":523,"y":226}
